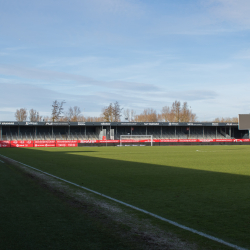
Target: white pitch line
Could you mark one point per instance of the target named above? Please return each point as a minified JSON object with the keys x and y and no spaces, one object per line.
{"x":1,"y":161}
{"x":138,"y":209}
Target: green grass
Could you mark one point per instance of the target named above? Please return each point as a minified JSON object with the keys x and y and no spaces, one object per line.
{"x":208,"y":189}
{"x":34,"y":218}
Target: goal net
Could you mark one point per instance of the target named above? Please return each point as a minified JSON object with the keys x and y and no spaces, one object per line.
{"x":136,"y":140}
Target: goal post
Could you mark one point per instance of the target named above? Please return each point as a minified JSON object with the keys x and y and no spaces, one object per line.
{"x":136,"y":139}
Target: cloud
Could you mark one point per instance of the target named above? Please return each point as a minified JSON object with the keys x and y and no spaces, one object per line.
{"x":72,"y":79}
{"x":30,"y":96}
{"x":208,"y":67}
{"x":125,"y":7}
{"x":231,"y":10}
{"x":205,"y":103}
{"x":20,"y":95}
{"x":202,"y":17}
{"x":195,"y":95}
{"x":191,"y":95}
{"x":245,"y":54}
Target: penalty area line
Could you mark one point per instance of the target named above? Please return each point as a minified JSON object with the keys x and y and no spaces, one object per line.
{"x":137,"y":208}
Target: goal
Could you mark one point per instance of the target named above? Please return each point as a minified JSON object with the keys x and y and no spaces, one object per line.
{"x":136,"y":140}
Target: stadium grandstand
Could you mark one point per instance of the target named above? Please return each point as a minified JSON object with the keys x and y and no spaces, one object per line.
{"x":163,"y":133}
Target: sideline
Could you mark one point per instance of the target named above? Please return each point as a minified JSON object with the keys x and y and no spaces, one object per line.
{"x":136,"y":208}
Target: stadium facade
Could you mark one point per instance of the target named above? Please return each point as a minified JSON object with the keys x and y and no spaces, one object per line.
{"x":108,"y":133}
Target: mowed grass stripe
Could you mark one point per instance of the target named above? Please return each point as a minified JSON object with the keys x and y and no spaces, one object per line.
{"x":208,"y":191}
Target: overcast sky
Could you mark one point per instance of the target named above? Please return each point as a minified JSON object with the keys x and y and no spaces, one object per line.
{"x":141,"y":53}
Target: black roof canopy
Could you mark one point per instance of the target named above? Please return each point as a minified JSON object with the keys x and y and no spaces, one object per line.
{"x":195,"y":124}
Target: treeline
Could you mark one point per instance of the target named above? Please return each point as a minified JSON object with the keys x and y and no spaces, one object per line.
{"x":226,"y":119}
{"x":177,"y":112}
{"x":112,"y":113}
{"x":57,"y":114}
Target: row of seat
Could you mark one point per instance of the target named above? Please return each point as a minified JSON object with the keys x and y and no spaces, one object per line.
{"x":94,"y":136}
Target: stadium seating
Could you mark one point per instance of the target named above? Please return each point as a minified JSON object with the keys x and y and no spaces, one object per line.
{"x":92,"y":133}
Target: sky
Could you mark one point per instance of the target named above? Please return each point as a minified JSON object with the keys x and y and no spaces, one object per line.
{"x":141,"y":53}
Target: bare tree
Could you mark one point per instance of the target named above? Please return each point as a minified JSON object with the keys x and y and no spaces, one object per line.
{"x":129,"y":114}
{"x":74,"y":114}
{"x":177,"y":113}
{"x":107,"y":113}
{"x":46,"y":119}
{"x":93,"y":119}
{"x":117,"y":112}
{"x":34,"y":116}
{"x":165,"y":115}
{"x":226,"y":119}
{"x":186,"y":114}
{"x":57,"y":110}
{"x":21,"y":114}
{"x":132,"y":115}
{"x":148,"y":115}
{"x":126,"y":114}
{"x":112,"y":113}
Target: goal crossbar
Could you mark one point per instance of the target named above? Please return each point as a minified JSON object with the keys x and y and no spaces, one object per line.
{"x":136,"y":139}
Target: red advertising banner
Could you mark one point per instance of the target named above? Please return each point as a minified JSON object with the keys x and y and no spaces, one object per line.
{"x":164,"y":140}
{"x":4,"y":144}
{"x":109,"y":141}
{"x":87,"y":141}
{"x":100,"y":141}
{"x":167,"y":140}
{"x":188,"y":140}
{"x":223,"y":140}
{"x":66,"y":144}
{"x":21,"y":144}
{"x":74,"y":143}
{"x":44,"y":141}
{"x":44,"y":145}
{"x":66,"y":141}
{"x":205,"y":140}
{"x":241,"y":140}
{"x":131,"y":140}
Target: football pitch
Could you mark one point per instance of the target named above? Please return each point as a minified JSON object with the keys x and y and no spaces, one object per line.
{"x":206,"y":188}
